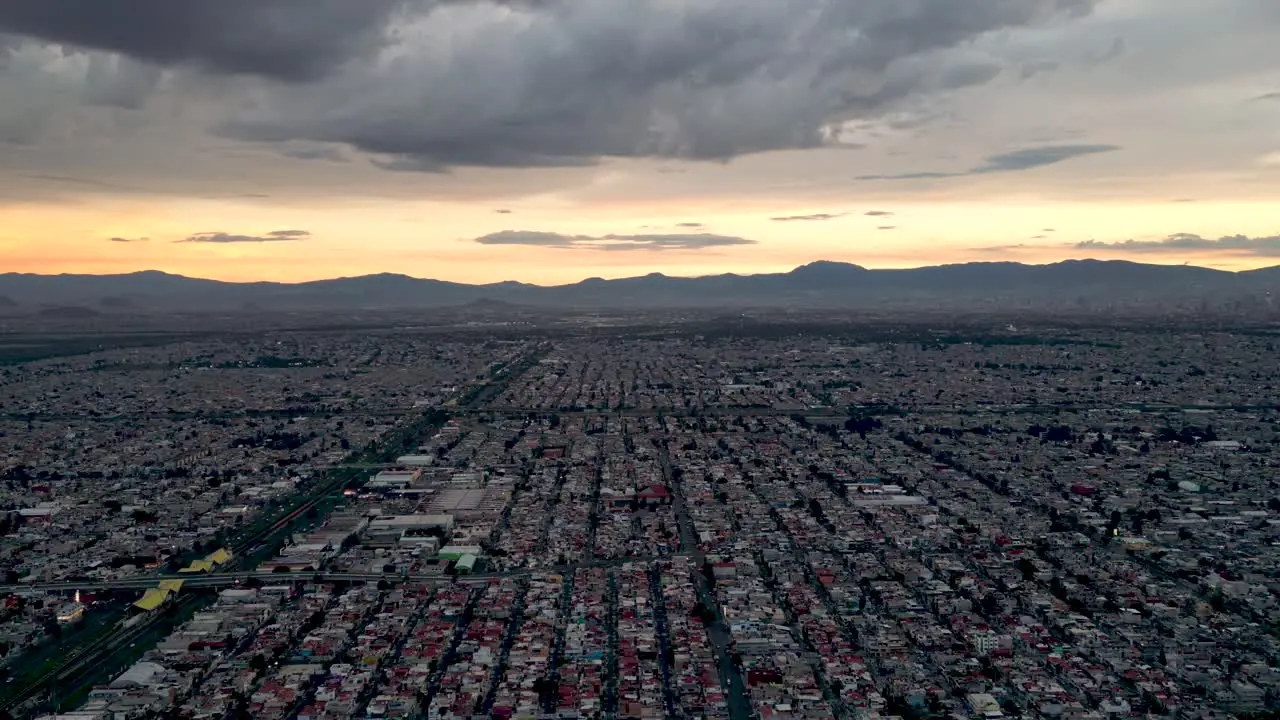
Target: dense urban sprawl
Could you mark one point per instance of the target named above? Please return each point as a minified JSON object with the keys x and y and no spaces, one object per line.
{"x":1064,"y":524}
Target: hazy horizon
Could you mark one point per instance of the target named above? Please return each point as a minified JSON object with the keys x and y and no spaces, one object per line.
{"x":630,"y":275}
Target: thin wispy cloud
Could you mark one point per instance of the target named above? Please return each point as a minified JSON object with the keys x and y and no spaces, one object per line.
{"x":329,"y":154}
{"x":998,"y":249}
{"x":878,"y":213}
{"x":1016,"y":161}
{"x":128,"y":240}
{"x":71,"y":180}
{"x":612,"y":242}
{"x":220,"y":238}
{"x":1182,"y":242}
{"x":816,"y":217}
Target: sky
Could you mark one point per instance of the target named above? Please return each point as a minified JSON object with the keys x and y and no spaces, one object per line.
{"x":548,"y":141}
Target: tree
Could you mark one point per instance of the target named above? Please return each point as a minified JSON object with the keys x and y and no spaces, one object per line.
{"x":862,"y":425}
{"x":140,"y":515}
{"x":1057,"y":588}
{"x":703,"y":613}
{"x":1059,"y":433}
{"x":990,"y":604}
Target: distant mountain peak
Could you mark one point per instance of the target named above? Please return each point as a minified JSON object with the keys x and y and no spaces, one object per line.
{"x":827,"y":269}
{"x":1109,"y":283}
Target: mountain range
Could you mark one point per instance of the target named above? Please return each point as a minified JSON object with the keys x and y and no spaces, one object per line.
{"x":1072,"y":283}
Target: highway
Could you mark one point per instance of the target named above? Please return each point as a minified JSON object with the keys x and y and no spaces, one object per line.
{"x":736,"y":697}
{"x":230,"y":578}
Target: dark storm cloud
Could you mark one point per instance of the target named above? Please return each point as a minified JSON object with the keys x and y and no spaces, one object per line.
{"x":562,"y":82}
{"x":292,"y":40}
{"x":1016,"y":161}
{"x":816,"y":217}
{"x":1182,"y":242}
{"x":698,"y":241}
{"x":224,"y":238}
{"x":120,"y":82}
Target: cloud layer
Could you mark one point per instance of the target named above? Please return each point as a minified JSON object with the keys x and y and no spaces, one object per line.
{"x":691,"y":241}
{"x":1183,"y":242}
{"x":428,"y":84}
{"x":225,"y":238}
